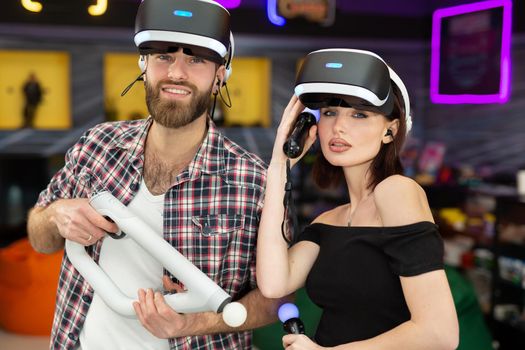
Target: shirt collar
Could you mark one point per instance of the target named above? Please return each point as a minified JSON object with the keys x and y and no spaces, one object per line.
{"x":134,"y":139}
{"x":209,"y":158}
{"x":210,"y":155}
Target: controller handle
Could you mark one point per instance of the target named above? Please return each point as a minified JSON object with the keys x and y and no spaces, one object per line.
{"x":202,"y":293}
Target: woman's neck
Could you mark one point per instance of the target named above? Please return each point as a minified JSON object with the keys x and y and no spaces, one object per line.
{"x":357,"y":180}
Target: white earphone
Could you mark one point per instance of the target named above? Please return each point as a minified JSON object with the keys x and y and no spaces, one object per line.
{"x":142,"y":63}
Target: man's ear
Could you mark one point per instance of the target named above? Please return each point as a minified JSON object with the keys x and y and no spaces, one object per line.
{"x":220,"y":74}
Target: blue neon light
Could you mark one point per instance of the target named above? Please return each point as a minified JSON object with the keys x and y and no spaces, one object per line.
{"x":334,"y":65}
{"x":271,"y":11}
{"x":182,"y":13}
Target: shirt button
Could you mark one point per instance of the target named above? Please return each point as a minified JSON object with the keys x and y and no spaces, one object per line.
{"x":86,"y":298}
{"x":71,"y":336}
{"x":134,"y":186}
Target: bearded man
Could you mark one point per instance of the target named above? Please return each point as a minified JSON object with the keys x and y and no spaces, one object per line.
{"x":198,"y":189}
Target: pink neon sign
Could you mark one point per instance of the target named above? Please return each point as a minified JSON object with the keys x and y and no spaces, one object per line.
{"x":471,"y":16}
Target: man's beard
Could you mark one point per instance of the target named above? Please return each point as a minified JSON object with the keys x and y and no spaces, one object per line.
{"x":176,"y":114}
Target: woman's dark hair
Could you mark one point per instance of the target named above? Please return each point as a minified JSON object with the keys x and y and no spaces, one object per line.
{"x":385,"y":164}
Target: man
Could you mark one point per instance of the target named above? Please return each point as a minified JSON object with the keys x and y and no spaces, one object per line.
{"x":200,"y":190}
{"x":32,"y":98}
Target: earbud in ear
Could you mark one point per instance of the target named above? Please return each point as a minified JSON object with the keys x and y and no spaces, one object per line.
{"x":389,"y":133}
{"x":142,"y":63}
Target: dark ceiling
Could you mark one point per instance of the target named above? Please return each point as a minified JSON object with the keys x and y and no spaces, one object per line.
{"x":400,"y":19}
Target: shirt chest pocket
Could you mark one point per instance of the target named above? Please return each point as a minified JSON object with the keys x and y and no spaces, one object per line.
{"x":218,"y":225}
{"x":215,"y":244}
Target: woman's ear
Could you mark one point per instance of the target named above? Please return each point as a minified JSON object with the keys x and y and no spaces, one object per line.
{"x":391,"y":131}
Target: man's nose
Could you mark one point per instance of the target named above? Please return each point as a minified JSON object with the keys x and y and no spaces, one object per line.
{"x":178,"y":68}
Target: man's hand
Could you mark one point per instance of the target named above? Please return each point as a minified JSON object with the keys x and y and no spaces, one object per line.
{"x":164,"y":322}
{"x":158,"y":317}
{"x":77,"y":221}
{"x":72,"y":219}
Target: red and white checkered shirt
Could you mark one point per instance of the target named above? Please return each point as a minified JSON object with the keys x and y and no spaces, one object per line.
{"x":211,"y":215}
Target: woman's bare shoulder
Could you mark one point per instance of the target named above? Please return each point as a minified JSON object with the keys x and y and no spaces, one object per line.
{"x":332,"y":216}
{"x":400,"y":201}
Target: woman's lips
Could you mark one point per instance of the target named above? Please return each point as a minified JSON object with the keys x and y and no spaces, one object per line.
{"x":338,"y":145}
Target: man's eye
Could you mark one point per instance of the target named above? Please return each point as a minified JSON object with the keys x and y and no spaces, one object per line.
{"x":197,"y":60}
{"x":164,"y":57}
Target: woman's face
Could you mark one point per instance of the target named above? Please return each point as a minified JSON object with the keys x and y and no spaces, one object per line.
{"x":351,"y":137}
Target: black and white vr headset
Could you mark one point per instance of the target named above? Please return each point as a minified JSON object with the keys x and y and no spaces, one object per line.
{"x":348,"y":77}
{"x":200,"y":27}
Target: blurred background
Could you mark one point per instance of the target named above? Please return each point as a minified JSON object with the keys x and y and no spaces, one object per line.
{"x":64,"y":63}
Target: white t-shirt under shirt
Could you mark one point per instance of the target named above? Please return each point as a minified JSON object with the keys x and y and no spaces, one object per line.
{"x":131,"y":268}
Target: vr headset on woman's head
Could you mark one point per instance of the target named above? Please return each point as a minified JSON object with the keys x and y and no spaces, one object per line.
{"x":350,"y":78}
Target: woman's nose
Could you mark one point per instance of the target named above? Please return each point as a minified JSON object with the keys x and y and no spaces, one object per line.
{"x":339,"y":125}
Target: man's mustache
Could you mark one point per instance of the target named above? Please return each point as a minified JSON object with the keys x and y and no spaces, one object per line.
{"x":180,"y":83}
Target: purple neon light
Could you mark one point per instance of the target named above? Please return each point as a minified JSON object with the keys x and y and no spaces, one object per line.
{"x":505,"y":65}
{"x":229,"y":4}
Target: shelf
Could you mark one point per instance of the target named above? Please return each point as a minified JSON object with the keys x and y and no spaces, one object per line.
{"x":512,"y":250}
{"x":516,"y":324}
{"x":510,"y":284}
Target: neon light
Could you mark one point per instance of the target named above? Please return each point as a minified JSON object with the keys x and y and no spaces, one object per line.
{"x":229,"y":4}
{"x":333,"y":65}
{"x":505,"y":62}
{"x":182,"y":13}
{"x":287,"y":311}
{"x":32,"y":6}
{"x":99,"y":8}
{"x":271,"y":11}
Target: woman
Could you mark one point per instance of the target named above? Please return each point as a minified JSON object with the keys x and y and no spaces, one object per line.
{"x":373,"y":265}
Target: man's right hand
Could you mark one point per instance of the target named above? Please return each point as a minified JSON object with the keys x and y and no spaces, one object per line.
{"x":77,"y":221}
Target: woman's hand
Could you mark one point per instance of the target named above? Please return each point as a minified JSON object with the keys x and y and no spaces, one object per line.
{"x":294,"y":108}
{"x":299,"y":342}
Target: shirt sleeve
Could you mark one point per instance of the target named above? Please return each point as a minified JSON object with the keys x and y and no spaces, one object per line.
{"x":309,"y":234}
{"x":414,"y":249}
{"x":63,"y":183}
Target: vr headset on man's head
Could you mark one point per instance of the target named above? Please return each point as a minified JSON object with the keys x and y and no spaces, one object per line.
{"x":201,"y":27}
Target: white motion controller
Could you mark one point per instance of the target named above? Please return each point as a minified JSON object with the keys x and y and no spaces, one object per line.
{"x":202,"y":293}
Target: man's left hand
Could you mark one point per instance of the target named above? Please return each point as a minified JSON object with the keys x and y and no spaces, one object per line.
{"x":158,"y":317}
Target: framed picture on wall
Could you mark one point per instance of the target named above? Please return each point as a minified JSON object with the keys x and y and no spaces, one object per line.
{"x":34,"y":89}
{"x":470,"y":53}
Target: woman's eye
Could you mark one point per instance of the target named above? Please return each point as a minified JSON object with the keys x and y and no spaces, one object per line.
{"x":329,"y":113}
{"x":359,"y":115}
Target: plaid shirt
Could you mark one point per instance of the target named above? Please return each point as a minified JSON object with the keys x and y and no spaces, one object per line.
{"x":211,"y":216}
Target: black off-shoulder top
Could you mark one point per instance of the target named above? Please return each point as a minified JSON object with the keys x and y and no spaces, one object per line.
{"x":355,"y":279}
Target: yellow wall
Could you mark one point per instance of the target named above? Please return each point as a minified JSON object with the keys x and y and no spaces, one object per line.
{"x":119,"y":71}
{"x":249,"y":87}
{"x":52,"y":70}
